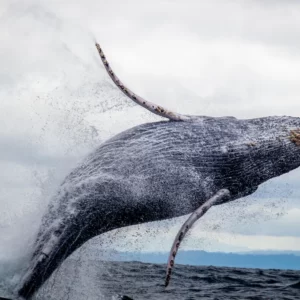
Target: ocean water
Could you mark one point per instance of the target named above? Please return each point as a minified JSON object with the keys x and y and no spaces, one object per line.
{"x":107,"y":280}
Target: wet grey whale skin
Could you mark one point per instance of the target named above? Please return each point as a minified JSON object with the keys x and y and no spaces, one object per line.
{"x":158,"y":171}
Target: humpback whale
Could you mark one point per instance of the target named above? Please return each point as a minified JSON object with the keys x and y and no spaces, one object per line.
{"x":157,"y":171}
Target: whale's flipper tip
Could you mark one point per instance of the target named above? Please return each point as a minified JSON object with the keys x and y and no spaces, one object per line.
{"x":1,"y":298}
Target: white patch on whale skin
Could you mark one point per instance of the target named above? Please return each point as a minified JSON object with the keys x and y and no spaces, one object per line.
{"x":224,"y":149}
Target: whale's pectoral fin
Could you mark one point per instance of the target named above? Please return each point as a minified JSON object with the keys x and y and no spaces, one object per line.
{"x":216,"y":199}
{"x":154,"y":108}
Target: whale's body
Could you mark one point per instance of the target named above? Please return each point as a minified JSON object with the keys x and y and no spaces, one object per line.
{"x":157,"y":171}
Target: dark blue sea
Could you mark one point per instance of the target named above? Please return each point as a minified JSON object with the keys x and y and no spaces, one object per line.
{"x":107,"y":280}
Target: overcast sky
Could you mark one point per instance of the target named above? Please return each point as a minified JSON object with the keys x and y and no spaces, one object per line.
{"x":215,"y":58}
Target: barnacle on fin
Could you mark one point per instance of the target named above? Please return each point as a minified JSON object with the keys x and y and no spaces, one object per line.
{"x":295,"y":136}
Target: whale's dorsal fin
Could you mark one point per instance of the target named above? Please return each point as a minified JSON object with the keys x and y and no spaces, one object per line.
{"x":216,"y":199}
{"x":156,"y":109}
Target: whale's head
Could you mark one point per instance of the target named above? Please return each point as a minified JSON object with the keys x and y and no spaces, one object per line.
{"x":279,"y":140}
{"x":258,"y":150}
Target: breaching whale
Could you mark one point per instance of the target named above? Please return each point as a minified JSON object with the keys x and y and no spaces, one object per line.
{"x":156,"y":171}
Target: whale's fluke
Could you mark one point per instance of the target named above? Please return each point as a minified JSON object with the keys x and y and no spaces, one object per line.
{"x":216,"y":199}
{"x":156,"y":109}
